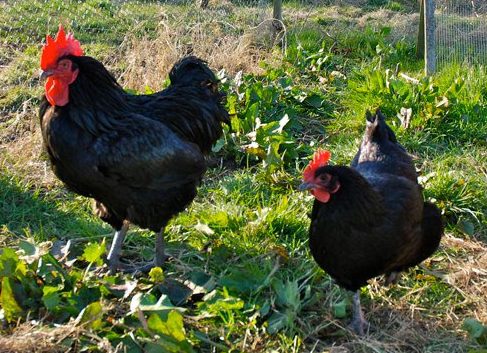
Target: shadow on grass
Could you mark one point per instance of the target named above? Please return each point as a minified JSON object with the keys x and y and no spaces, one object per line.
{"x":43,"y":214}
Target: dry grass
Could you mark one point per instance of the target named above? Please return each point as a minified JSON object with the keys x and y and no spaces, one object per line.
{"x":139,"y":63}
{"x":35,"y":338}
{"x":467,"y":273}
{"x":404,"y":25}
{"x":230,"y":46}
{"x":398,"y":325}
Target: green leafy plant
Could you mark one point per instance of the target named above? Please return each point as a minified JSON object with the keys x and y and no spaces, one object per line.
{"x":266,"y":117}
{"x":476,"y":330}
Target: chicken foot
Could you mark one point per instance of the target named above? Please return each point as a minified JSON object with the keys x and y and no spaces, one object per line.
{"x":393,"y":278}
{"x":116,"y":247}
{"x":113,"y":257}
{"x":359,"y":325}
{"x":159,"y":258}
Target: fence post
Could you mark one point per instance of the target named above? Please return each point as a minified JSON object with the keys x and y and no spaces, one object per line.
{"x":277,"y":13}
{"x":277,"y":17}
{"x":429,"y":37}
{"x":420,"y":44}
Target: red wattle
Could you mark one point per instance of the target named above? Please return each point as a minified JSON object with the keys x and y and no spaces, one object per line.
{"x":321,"y":195}
{"x":57,"y":92}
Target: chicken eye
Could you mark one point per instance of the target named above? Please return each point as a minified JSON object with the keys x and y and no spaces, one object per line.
{"x":64,"y":64}
{"x":324,"y":177}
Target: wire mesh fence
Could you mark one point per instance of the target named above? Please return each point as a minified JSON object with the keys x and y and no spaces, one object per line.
{"x":461,"y":31}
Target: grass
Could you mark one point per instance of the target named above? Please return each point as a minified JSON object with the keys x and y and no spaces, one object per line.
{"x":241,"y":272}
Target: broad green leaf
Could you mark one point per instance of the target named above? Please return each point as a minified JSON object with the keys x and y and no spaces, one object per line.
{"x":177,"y":292}
{"x":287,"y":293}
{"x":28,"y":247}
{"x":51,"y":297}
{"x":218,"y":145}
{"x":172,"y":327}
{"x":147,"y":302}
{"x":476,"y":330}
{"x":314,"y":101}
{"x":236,"y":125}
{"x":91,"y":315}
{"x":7,"y":300}
{"x":231,"y":103}
{"x":215,"y":303}
{"x":130,"y":345}
{"x":168,"y":345}
{"x":273,"y":160}
{"x":250,"y":115}
{"x":466,"y":227}
{"x":277,"y":322}
{"x":340,"y":309}
{"x":265,"y":308}
{"x":10,"y":264}
{"x":93,"y":252}
{"x":51,"y":270}
{"x":86,"y":295}
{"x":242,"y":281}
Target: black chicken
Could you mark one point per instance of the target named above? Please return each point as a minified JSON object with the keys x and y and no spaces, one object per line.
{"x":141,"y":157}
{"x":369,"y":219}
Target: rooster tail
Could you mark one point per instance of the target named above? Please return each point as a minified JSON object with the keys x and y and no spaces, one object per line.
{"x":192,"y":70}
{"x":202,"y":123}
{"x":377,"y":128}
{"x":432,"y":226}
{"x":432,"y":231}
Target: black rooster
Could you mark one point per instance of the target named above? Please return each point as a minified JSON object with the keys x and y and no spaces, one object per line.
{"x":141,"y":157}
{"x":369,"y":219}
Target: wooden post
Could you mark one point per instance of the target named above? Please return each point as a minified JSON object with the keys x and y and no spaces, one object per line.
{"x":277,"y":14}
{"x":429,"y":37}
{"x":420,"y":45}
{"x":277,"y":17}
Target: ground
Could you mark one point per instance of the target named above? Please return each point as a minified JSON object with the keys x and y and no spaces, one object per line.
{"x":241,"y":278}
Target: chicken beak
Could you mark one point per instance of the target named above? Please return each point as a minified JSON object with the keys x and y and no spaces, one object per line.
{"x":45,"y":74}
{"x":306,"y":186}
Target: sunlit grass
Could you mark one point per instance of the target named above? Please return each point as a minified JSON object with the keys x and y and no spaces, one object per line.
{"x":246,"y":232}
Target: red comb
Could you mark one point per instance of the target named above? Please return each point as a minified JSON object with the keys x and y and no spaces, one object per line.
{"x":56,"y":48}
{"x":320,"y":159}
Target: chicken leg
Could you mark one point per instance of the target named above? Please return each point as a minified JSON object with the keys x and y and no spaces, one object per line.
{"x":114,"y":253}
{"x":392,"y":278}
{"x":359,"y":325}
{"x":159,"y":258}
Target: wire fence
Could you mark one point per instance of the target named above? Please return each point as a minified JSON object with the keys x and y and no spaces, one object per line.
{"x":461,"y":29}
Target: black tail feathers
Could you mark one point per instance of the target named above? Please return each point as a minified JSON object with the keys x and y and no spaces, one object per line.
{"x":377,"y":127}
{"x":432,"y":226}
{"x":192,"y":70}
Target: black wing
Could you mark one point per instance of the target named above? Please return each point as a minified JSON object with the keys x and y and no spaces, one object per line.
{"x":145,"y":153}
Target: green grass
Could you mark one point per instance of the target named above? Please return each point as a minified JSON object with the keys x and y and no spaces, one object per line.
{"x":241,"y":269}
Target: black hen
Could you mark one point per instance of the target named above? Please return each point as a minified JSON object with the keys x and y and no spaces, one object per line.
{"x":369,"y":219}
{"x":141,"y":157}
